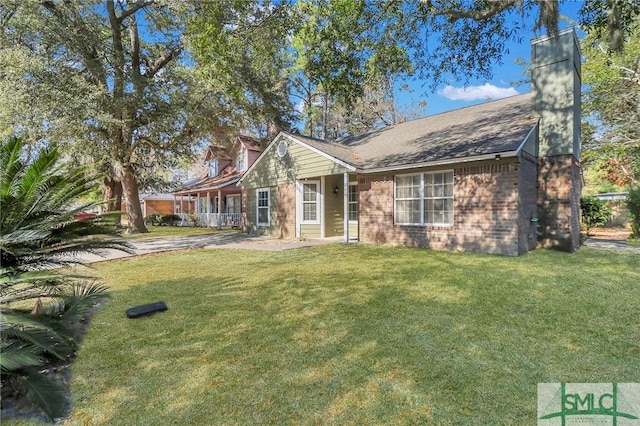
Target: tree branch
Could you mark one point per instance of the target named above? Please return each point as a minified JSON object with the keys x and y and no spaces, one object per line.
{"x":133,"y":9}
{"x":162,"y":61}
{"x":495,"y":8}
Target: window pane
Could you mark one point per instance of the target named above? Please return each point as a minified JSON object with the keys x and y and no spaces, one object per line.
{"x":263,"y":215}
{"x":408,"y":211}
{"x":353,"y":202}
{"x":309,"y":192}
{"x":408,"y":186}
{"x":353,"y":193}
{"x":309,"y":212}
{"x":353,"y":212}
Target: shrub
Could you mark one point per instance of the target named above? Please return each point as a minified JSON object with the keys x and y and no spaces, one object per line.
{"x":633,"y":204}
{"x":170,"y":219}
{"x":42,"y":309}
{"x":594,"y":212}
{"x":153,"y":220}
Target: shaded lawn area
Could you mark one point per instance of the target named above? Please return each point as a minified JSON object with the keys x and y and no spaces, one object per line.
{"x":354,"y":335}
{"x":175,"y":231}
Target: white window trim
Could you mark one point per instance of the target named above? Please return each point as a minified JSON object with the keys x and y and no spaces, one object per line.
{"x":396,"y":199}
{"x":317,"y":202}
{"x":214,"y":168}
{"x":242,"y":158}
{"x":422,"y":199}
{"x":357,"y":202}
{"x":268,"y":207}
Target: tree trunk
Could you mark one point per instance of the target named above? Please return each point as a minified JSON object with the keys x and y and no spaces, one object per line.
{"x":112,"y":194}
{"x":132,"y":200}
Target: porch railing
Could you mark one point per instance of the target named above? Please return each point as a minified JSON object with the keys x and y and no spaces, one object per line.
{"x":212,"y":220}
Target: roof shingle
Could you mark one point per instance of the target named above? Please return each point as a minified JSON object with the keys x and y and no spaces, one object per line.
{"x":490,"y":128}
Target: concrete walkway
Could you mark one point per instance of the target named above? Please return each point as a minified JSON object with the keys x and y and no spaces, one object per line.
{"x":231,"y":240}
{"x":609,"y":244}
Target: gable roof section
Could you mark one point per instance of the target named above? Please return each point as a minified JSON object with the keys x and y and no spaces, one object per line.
{"x":496,"y":127}
{"x":493,"y":127}
{"x":317,"y":146}
{"x":249,"y":143}
{"x":466,"y":134}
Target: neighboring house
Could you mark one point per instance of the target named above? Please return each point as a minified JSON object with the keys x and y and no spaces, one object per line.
{"x":161,"y":204}
{"x":216,"y":199}
{"x":500,"y":177}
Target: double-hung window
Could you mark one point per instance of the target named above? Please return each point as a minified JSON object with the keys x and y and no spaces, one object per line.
{"x":263,"y":207}
{"x":353,"y":202}
{"x":424,"y":199}
{"x":310,"y":202}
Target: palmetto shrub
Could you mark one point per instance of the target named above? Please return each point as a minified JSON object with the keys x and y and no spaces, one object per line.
{"x":42,"y":308}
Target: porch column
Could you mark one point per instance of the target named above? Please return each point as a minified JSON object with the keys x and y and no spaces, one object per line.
{"x":345,"y":191}
{"x":208,"y":202}
{"x":219,"y":209}
{"x":174,"y":205}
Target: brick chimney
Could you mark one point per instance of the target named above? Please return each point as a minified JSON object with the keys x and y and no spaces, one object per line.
{"x":556,"y":84}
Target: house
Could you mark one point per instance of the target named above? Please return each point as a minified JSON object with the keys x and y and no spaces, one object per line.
{"x":215,"y":200}
{"x":161,"y":204}
{"x":501,"y":177}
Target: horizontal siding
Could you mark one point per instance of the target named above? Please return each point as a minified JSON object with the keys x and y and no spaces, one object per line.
{"x":299,"y":163}
{"x":309,"y":231}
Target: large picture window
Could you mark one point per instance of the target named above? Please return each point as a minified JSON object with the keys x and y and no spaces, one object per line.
{"x":310,"y":202}
{"x":424,"y":199}
{"x":263,"y":207}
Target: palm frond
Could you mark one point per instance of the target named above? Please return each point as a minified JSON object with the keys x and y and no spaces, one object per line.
{"x":47,"y":394}
{"x":83,"y":299}
{"x":42,"y":338}
{"x":17,"y":355}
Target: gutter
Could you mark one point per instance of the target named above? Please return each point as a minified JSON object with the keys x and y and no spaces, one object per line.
{"x":495,"y":156}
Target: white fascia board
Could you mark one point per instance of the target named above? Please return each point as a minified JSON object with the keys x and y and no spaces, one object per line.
{"x":524,"y":142}
{"x":324,"y":154}
{"x":447,"y":162}
{"x":292,"y":138}
{"x":262,"y":154}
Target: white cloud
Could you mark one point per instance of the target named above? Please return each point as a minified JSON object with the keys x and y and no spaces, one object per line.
{"x":474,"y":93}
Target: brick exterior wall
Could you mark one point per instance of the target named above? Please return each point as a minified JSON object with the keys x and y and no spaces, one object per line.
{"x":283,"y":210}
{"x":486,"y":214}
{"x":161,"y":207}
{"x":559,"y":188}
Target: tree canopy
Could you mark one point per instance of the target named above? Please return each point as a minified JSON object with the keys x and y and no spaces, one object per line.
{"x":612,"y":101}
{"x":132,"y":86}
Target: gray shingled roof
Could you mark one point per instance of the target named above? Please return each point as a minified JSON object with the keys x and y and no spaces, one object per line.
{"x":489,"y":128}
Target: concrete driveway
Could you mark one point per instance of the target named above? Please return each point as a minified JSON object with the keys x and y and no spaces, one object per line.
{"x":230,"y":240}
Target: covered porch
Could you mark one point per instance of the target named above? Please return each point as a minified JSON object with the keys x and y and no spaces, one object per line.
{"x":218,"y":206}
{"x":327,"y":207}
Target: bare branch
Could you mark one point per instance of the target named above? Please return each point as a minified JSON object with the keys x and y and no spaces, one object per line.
{"x":494,"y":8}
{"x":133,"y":9}
{"x":162,"y":61}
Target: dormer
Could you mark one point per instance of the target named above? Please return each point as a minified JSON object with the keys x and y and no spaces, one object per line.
{"x":248,"y":150}
{"x":242,"y":160}
{"x":216,"y":159}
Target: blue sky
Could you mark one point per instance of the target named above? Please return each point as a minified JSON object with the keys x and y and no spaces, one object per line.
{"x":455,"y":95}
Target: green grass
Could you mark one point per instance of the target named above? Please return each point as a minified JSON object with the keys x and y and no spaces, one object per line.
{"x":175,"y":231}
{"x":354,"y":335}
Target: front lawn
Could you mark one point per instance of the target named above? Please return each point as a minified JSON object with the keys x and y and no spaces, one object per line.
{"x":175,"y":231}
{"x":354,"y":335}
